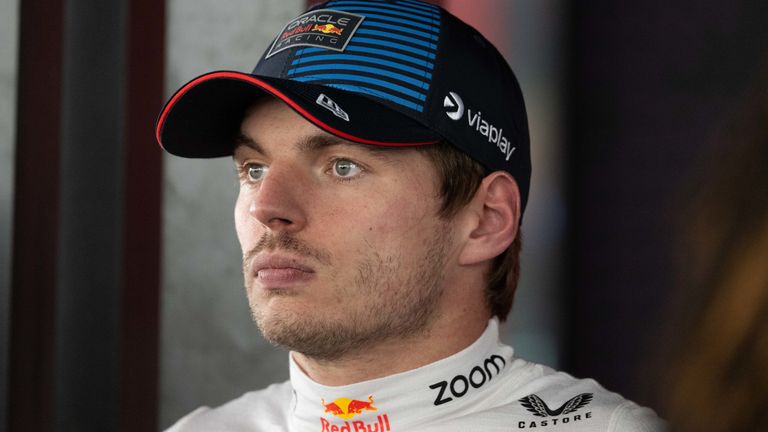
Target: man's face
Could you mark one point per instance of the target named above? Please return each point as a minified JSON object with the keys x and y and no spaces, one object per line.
{"x":342,"y":245}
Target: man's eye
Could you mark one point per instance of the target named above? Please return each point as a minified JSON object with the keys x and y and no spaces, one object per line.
{"x":346,"y":168}
{"x":255,"y":172}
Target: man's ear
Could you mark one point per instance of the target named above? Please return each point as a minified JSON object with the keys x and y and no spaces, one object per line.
{"x":495,"y":211}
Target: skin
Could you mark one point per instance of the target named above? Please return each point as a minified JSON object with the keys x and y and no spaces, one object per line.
{"x":346,"y":261}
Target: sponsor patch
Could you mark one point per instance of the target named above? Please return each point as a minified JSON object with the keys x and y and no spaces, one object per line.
{"x":323,"y":28}
{"x":553,"y":417}
{"x":454,"y":108}
{"x":347,"y":409}
{"x":478,"y":376}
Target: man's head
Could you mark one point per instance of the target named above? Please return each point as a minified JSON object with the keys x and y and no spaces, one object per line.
{"x":347,"y":245}
{"x":342,"y":244}
{"x":427,"y":193}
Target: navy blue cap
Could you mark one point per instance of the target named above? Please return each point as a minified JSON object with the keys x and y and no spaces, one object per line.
{"x":378,"y":72}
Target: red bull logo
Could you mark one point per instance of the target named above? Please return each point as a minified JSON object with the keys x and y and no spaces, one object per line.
{"x":327,"y":29}
{"x":323,"y":28}
{"x":345,"y":408}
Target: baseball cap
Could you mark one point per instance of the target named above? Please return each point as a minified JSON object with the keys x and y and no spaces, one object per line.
{"x":376,"y":72}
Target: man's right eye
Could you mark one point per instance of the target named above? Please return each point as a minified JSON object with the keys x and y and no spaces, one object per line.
{"x":255,"y":172}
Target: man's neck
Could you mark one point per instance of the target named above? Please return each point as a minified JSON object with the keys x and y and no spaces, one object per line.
{"x":447,"y":335}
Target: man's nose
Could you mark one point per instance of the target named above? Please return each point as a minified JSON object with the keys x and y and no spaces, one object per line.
{"x":279,"y":201}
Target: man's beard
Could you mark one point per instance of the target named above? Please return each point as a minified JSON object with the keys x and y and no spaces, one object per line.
{"x":390,"y":299}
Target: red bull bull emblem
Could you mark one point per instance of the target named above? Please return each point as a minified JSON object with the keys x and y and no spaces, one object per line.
{"x":327,"y":29}
{"x":345,"y":408}
{"x":323,"y":28}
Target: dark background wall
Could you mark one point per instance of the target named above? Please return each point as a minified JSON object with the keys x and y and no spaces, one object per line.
{"x":650,"y":83}
{"x":86,"y":208}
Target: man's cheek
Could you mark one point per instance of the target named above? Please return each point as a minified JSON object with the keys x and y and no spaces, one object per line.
{"x":244,"y":227}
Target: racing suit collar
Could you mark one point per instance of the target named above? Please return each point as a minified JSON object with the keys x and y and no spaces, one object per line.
{"x":404,"y":400}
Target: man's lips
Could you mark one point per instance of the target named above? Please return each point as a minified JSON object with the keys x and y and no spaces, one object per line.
{"x":280,"y":271}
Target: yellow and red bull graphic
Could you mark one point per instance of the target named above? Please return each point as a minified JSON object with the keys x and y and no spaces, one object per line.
{"x":327,"y":29}
{"x":346,"y":409}
{"x":323,"y":28}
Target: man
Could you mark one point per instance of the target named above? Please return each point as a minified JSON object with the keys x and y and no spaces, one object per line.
{"x":383,"y":158}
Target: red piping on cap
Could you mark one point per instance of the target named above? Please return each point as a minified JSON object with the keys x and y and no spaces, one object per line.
{"x":275,"y":92}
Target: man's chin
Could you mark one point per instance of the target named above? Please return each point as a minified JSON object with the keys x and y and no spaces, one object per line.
{"x":280,"y":323}
{"x":313,"y":336}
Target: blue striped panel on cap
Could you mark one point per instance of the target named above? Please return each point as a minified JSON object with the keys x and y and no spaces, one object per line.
{"x":391,"y":56}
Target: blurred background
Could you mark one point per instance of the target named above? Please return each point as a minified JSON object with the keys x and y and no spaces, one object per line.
{"x":121,"y":300}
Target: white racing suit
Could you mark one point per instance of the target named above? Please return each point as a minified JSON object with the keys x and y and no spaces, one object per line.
{"x":482,"y":388}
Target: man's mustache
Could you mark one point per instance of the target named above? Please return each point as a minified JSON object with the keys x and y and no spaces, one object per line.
{"x":285,"y":242}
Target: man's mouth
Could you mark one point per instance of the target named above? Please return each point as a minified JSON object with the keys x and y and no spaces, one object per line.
{"x":276,"y":270}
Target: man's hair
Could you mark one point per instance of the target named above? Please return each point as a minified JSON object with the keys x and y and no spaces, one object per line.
{"x":460,"y":176}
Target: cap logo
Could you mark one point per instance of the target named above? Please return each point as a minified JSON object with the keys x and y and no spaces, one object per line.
{"x":454,"y":106}
{"x":328,"y":103}
{"x":323,"y":28}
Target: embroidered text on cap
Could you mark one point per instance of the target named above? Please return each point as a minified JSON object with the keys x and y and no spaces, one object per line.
{"x":323,"y":28}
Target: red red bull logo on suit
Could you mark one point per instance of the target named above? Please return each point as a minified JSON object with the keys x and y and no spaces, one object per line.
{"x":346,"y":409}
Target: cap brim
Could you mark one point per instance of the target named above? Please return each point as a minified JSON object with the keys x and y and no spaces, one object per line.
{"x":202,"y":119}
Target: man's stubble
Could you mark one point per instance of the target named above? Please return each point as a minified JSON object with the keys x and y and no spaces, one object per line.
{"x":388,"y":299}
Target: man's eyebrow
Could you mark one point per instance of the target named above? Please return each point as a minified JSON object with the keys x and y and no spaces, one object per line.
{"x":317,"y":142}
{"x":305,"y":144}
{"x":244,"y":140}
{"x":321,"y":141}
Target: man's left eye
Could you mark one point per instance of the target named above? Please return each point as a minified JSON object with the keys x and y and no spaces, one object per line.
{"x":346,"y":168}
